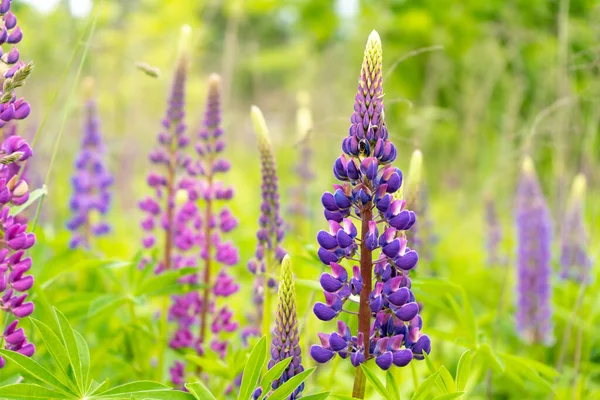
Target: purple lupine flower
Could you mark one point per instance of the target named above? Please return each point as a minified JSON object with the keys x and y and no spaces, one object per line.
{"x":91,"y":182}
{"x":285,"y":342}
{"x":574,"y":259}
{"x":195,"y":314}
{"x":388,"y":321}
{"x":269,"y":252}
{"x":14,"y":190}
{"x":534,"y":240}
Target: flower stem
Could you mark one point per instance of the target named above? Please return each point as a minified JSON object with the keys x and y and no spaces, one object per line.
{"x":268,"y":300}
{"x":364,"y":311}
{"x":206,"y":277}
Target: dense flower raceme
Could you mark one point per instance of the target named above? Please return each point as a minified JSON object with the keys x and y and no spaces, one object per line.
{"x":286,"y":339}
{"x":194,"y":311}
{"x":14,"y":190}
{"x":534,"y":240}
{"x":574,"y":259}
{"x":91,"y":183}
{"x":392,"y":333}
{"x":11,"y":107}
{"x":269,"y":252}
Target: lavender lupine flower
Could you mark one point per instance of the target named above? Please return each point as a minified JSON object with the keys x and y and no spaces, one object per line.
{"x":91,"y":181}
{"x":285,"y":342}
{"x":196,"y":313}
{"x":14,"y":190}
{"x":299,"y":207}
{"x":269,"y":252}
{"x":389,"y":325}
{"x":574,"y":259}
{"x":534,"y":239}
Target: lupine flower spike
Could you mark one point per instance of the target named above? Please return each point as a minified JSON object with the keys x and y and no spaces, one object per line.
{"x":574,"y":259}
{"x":14,"y":152}
{"x":269,"y":252}
{"x":285,"y":342}
{"x":91,"y":182}
{"x":534,"y":240}
{"x":299,"y":207}
{"x":389,"y":325}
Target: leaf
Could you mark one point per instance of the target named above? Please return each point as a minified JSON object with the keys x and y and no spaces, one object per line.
{"x":34,"y":369}
{"x":449,"y":396}
{"x":164,"y":394}
{"x":541,"y":368}
{"x":20,"y":391}
{"x":343,"y":397}
{"x":213,"y":366}
{"x":200,"y":391}
{"x":253,"y":368}
{"x":95,"y":263}
{"x":56,"y":349}
{"x":273,"y":374}
{"x":309,"y":284}
{"x":68,"y":338}
{"x":134,"y":387}
{"x":391,"y":386}
{"x":447,"y":379}
{"x":429,"y":363}
{"x":96,"y":387}
{"x":33,"y":197}
{"x":284,"y":391}
{"x":463,"y":370}
{"x":317,"y":396}
{"x":84,"y":353}
{"x":377,"y":384}
{"x":425,"y":387}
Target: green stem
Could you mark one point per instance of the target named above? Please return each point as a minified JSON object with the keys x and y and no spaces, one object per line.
{"x":162,"y":338}
{"x":415,"y":378}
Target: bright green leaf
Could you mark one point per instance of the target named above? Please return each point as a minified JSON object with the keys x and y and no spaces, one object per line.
{"x":449,"y":396}
{"x":253,"y":369}
{"x":200,"y":391}
{"x":317,"y":396}
{"x":284,"y":391}
{"x":68,"y":338}
{"x":425,"y":387}
{"x":447,"y":379}
{"x":21,"y":391}
{"x":377,"y":384}
{"x":391,"y":385}
{"x":273,"y":374}
{"x":463,"y":370}
{"x":33,"y":197}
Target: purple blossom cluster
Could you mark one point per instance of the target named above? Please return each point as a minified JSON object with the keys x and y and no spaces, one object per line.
{"x":91,"y":184}
{"x":389,"y":321}
{"x":534,"y":241}
{"x":196,"y":311}
{"x":269,"y":251}
{"x":11,"y":34}
{"x":14,"y":190}
{"x":575,"y":261}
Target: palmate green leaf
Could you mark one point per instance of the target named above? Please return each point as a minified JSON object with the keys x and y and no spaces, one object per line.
{"x":316,"y":396}
{"x":530,"y":375}
{"x":84,"y":354}
{"x":102,"y":264}
{"x":20,"y":391}
{"x":106,"y":303}
{"x":449,"y":396}
{"x":68,"y":338}
{"x":57,"y":351}
{"x":199,"y":391}
{"x":490,"y":356}
{"x":343,"y":397}
{"x":448,"y":381}
{"x":539,"y":367}
{"x":284,"y":391}
{"x":391,"y":385}
{"x":253,"y":368}
{"x":139,"y":389}
{"x":99,"y":387}
{"x":425,"y":387}
{"x":273,"y":374}
{"x":377,"y":384}
{"x":212,"y":366}
{"x":34,"y":369}
{"x":463,"y":370}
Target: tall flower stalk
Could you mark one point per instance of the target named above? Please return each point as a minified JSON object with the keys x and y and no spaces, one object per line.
{"x":14,"y":190}
{"x":91,"y":181}
{"x":269,"y":252}
{"x":389,"y":325}
{"x":493,"y":234}
{"x":286,"y":339}
{"x":574,"y":259}
{"x":534,"y":240}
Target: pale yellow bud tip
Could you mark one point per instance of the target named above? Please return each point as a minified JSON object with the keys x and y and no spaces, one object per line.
{"x":528,"y":166}
{"x":181,"y":197}
{"x":374,"y":37}
{"x":579,"y":186}
{"x":88,"y":84}
{"x":260,"y":125}
{"x":185,"y":39}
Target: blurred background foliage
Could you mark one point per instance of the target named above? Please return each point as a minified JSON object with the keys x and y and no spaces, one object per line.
{"x":473,"y":84}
